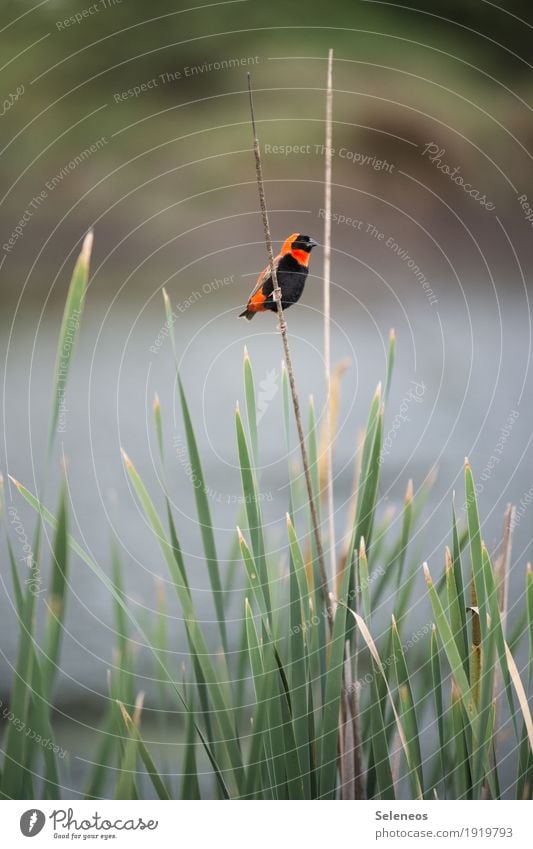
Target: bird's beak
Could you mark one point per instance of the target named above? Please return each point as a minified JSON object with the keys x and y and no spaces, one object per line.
{"x":312,"y":243}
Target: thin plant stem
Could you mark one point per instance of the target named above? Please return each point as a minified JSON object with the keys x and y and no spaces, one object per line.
{"x":350,"y":730}
{"x":276,"y":294}
{"x":346,"y":727}
{"x":327,"y":318}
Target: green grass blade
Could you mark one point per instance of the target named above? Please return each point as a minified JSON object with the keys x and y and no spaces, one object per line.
{"x":450,"y":647}
{"x":182,"y":594}
{"x":329,"y":730}
{"x":68,"y":334}
{"x":524,"y":778}
{"x":39,"y":721}
{"x":103,"y":758}
{"x":476,"y":646}
{"x":370,"y":433}
{"x":370,"y":472}
{"x":15,"y":775}
{"x":476,"y":737}
{"x":135,"y":735}
{"x":251,"y":408}
{"x":281,"y":718}
{"x":120,"y":617}
{"x":254,"y":581}
{"x":364,"y":583}
{"x":190,"y":786}
{"x":57,"y":598}
{"x":125,"y":786}
{"x":264,"y":695}
{"x":474,"y":530}
{"x":274,"y":686}
{"x":459,"y":585}
{"x":196,"y":638}
{"x":407,"y":523}
{"x":461,"y":765}
{"x":204,"y":518}
{"x":170,"y":325}
{"x":382,"y":781}
{"x":408,"y":713}
{"x":378,"y":665}
{"x":298,"y":564}
{"x":493,"y":781}
{"x":39,"y":711}
{"x":233,"y":559}
{"x":456,"y":614}
{"x":299,"y":667}
{"x":481,"y":752}
{"x":497,"y":628}
{"x":17,"y":587}
{"x":436,"y":677}
{"x":251,"y":497}
{"x":35,"y":708}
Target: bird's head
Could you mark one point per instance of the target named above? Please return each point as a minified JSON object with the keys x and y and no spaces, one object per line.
{"x":300,"y":246}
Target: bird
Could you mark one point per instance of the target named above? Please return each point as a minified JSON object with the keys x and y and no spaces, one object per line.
{"x":292,"y":267}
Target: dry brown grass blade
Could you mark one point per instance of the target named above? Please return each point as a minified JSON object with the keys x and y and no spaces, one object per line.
{"x":502,"y":566}
{"x":334,"y":400}
{"x":134,"y":720}
{"x":328,"y":434}
{"x":521,"y":693}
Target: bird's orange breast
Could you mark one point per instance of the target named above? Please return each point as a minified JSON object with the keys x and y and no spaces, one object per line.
{"x":300,"y":256}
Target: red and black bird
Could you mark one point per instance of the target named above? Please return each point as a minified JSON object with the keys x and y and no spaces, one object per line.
{"x":292,"y":267}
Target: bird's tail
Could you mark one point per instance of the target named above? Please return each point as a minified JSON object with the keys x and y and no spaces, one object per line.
{"x":249,"y":314}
